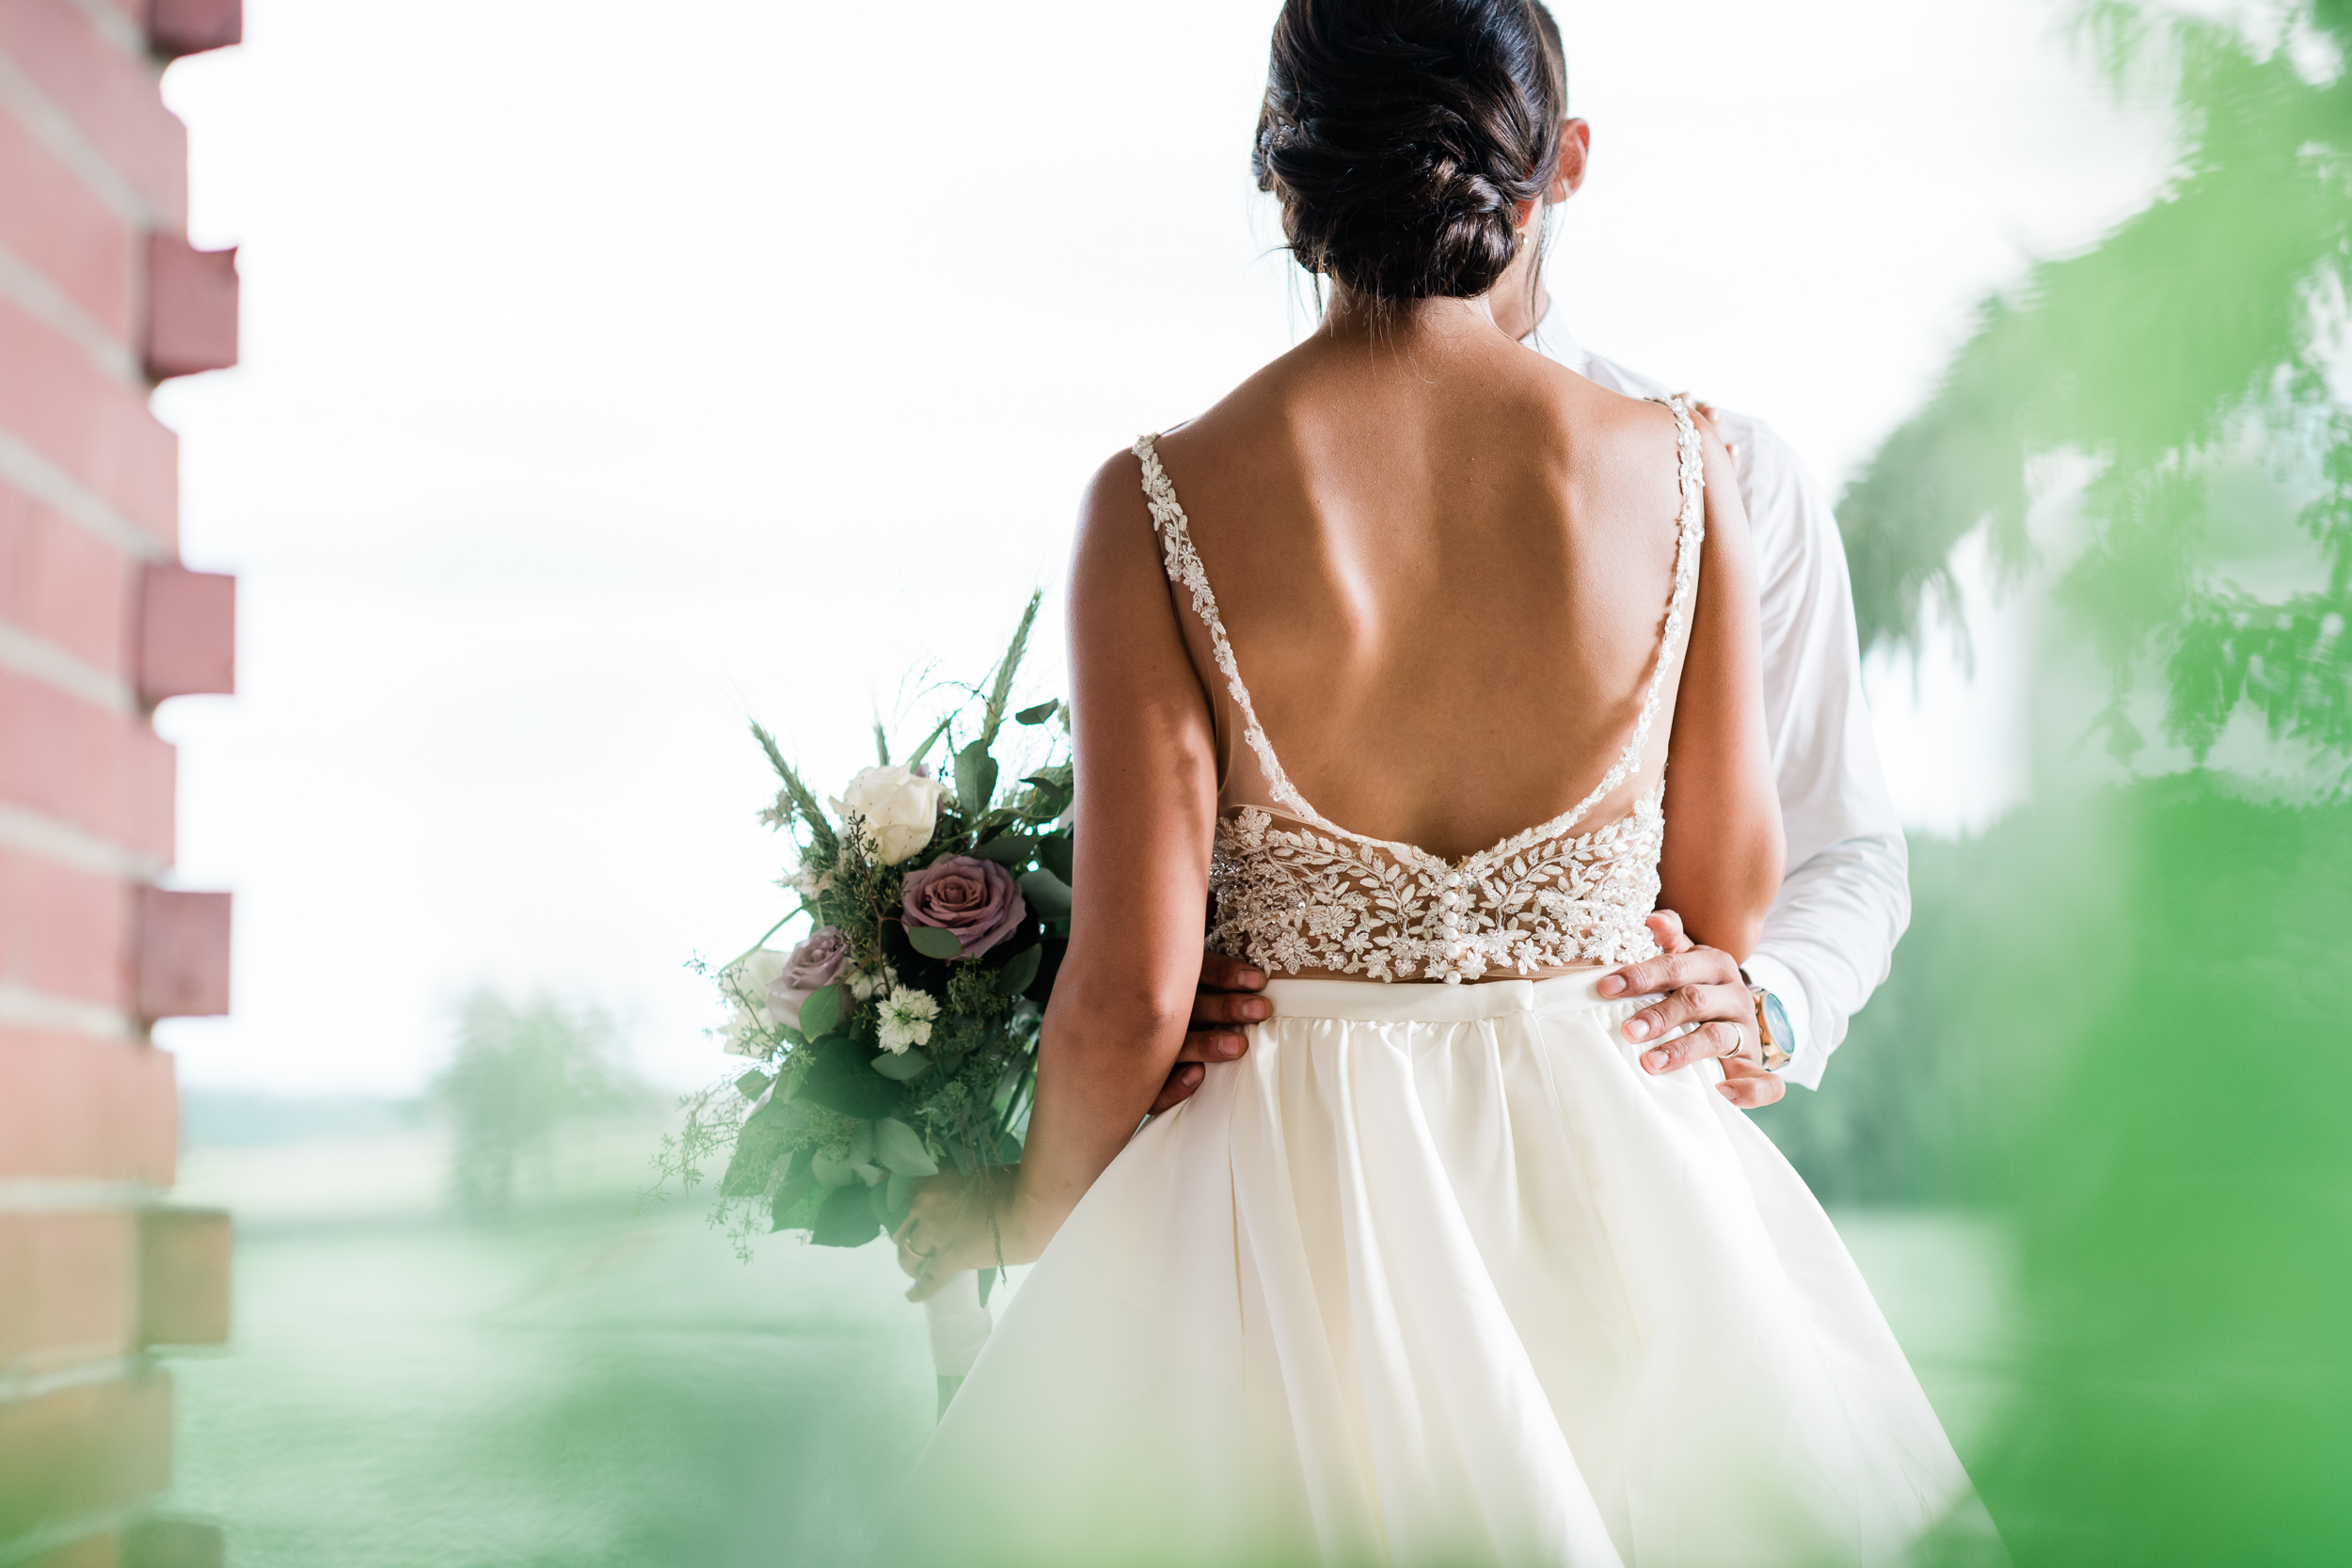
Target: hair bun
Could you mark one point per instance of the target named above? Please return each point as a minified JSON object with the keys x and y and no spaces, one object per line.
{"x":1400,"y":134}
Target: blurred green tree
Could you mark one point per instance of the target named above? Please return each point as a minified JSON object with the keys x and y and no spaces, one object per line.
{"x":518,"y":1072}
{"x":2103,"y":1010}
{"x":2199,"y":337}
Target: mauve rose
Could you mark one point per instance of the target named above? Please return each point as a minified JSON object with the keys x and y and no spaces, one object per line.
{"x":816,"y":962}
{"x":976,"y":899}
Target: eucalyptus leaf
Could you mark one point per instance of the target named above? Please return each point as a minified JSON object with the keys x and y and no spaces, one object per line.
{"x":760,"y":1147}
{"x":1050,"y":803}
{"x":1019,"y":971}
{"x":975,"y":779}
{"x":751,"y":1167}
{"x":1047,"y":894}
{"x":899,"y":1149}
{"x":790,"y":1199}
{"x":822,"y":1011}
{"x":1057,"y":853}
{"x":847,"y":1218}
{"x":1037,"y":715}
{"x":841,"y":1080}
{"x":870,"y":1174}
{"x":753,"y":1085}
{"x":933,"y":943}
{"x":905,"y":1067}
{"x":897,"y":1198}
{"x":1008,"y":850}
{"x":832,"y":1172}
{"x":1009,"y":1149}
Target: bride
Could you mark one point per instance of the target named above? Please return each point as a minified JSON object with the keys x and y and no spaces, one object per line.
{"x":1426,"y":665}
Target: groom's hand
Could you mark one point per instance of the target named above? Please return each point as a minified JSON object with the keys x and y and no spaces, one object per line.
{"x":1222,"y":1007}
{"x":1703,"y":987}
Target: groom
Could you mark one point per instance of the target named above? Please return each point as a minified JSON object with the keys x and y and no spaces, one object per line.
{"x":1847,"y":898}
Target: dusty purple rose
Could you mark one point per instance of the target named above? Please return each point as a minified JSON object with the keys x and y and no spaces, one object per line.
{"x":816,"y":962}
{"x":978,"y":900}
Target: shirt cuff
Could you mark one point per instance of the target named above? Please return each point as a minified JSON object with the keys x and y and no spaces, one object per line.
{"x":1803,"y":1066}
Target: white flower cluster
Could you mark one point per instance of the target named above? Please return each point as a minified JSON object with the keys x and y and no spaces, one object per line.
{"x":906,"y":1018}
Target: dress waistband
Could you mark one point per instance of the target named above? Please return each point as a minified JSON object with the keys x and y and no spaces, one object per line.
{"x":1382,"y":1002}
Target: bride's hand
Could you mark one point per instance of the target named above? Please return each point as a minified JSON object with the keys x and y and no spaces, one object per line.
{"x":959,"y":1222}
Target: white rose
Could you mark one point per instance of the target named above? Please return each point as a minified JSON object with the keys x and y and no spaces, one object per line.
{"x":899,"y":807}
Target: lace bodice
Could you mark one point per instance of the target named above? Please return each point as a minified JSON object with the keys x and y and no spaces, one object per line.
{"x":1297,"y":891}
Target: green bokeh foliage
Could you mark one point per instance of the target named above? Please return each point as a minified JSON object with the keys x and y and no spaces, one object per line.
{"x":2116,"y":1014}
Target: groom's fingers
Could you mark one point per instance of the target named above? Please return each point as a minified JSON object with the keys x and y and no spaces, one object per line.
{"x":1220,"y":973}
{"x":1226,"y":1013}
{"x":1217,"y":1020}
{"x":1695,"y":966}
{"x":1749,"y":1085}
{"x":1667,"y":926}
{"x":1714,"y":1038}
{"x":1178,"y":1088}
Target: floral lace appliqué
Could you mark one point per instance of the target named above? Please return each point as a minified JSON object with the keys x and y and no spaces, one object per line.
{"x":1290,"y":898}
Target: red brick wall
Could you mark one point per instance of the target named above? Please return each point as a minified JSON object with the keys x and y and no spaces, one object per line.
{"x":99,"y":296}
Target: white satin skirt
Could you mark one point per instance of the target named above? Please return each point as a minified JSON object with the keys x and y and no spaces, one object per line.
{"x":1438,"y":1276}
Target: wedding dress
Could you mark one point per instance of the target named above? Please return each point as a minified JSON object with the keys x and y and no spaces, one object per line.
{"x":1437,"y":1274}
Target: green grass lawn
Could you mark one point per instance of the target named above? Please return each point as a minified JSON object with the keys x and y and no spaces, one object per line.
{"x":587,"y":1385}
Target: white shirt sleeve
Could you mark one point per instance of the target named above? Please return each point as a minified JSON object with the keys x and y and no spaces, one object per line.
{"x":1830,"y":937}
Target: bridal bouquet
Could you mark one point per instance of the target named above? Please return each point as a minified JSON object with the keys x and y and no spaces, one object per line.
{"x":899,"y":1036}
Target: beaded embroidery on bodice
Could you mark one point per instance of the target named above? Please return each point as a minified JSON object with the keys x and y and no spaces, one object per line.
{"x":1297,"y":891}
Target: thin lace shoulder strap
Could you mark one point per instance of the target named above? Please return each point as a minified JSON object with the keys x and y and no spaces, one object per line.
{"x":1186,"y":571}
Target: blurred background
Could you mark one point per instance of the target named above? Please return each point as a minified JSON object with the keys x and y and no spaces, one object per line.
{"x":590,"y":379}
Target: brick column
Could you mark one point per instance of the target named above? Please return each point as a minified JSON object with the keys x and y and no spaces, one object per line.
{"x":101,"y":295}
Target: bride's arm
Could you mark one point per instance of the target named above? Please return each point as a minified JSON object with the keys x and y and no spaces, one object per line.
{"x":1723,"y":860}
{"x":1146,"y":765}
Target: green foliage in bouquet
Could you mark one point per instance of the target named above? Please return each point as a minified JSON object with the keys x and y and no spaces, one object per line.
{"x":900,"y":1038}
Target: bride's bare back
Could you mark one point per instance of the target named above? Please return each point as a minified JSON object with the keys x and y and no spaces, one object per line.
{"x":1442,"y":561}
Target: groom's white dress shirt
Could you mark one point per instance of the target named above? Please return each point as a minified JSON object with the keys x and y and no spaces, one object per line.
{"x":1831,"y":934}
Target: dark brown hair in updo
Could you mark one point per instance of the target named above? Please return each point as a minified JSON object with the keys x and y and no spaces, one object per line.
{"x":1400,"y":134}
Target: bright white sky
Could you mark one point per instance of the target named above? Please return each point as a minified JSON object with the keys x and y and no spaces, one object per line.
{"x":615,"y":372}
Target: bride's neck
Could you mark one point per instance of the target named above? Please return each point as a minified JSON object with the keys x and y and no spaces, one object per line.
{"x":1353,"y":317}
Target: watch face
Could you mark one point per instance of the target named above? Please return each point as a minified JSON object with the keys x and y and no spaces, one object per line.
{"x":1776,"y":1017}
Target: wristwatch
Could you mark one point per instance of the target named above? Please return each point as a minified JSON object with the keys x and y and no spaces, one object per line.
{"x":1771,"y":1026}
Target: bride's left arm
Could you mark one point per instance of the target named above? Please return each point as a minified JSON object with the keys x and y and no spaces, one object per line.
{"x":1723,"y":860}
{"x":1146,"y":760}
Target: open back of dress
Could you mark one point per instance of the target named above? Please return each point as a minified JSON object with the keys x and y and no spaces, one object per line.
{"x":1296,"y":893}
